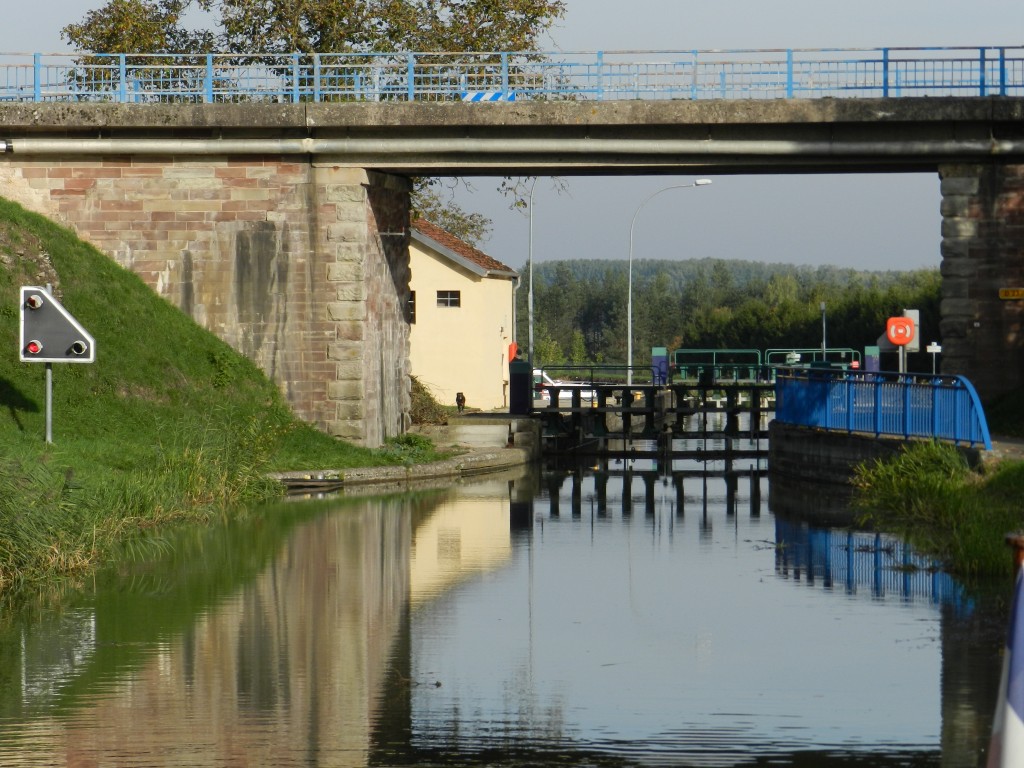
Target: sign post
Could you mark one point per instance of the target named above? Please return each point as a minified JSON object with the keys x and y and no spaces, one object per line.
{"x":49,"y":334}
{"x":934,"y":349}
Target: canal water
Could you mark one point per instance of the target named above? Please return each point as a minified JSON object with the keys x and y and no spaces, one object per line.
{"x":613,"y":615}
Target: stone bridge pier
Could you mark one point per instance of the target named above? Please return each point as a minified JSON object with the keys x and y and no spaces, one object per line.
{"x":982,"y":255}
{"x":301,"y":265}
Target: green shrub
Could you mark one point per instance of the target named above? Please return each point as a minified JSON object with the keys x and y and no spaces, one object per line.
{"x":929,"y":495}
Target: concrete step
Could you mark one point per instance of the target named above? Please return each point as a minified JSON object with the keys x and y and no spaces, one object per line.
{"x":479,"y":435}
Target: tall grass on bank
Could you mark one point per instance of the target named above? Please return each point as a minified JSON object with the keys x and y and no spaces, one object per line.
{"x":41,"y":530}
{"x":50,"y":526}
{"x":929,"y":494}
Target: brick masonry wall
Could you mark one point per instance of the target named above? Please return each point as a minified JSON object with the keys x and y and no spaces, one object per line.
{"x":983,"y":251}
{"x":280,"y":258}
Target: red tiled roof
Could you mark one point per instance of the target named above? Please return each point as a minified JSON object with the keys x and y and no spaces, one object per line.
{"x":459,"y":247}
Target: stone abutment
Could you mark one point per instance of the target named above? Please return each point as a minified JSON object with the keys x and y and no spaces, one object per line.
{"x":302,"y":266}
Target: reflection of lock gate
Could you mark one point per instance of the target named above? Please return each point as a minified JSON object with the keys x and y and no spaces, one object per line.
{"x":49,"y":334}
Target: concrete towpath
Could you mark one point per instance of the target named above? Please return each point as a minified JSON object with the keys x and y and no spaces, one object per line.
{"x":480,"y":444}
{"x":1005,"y":449}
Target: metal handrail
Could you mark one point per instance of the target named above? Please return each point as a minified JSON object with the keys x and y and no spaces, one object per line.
{"x":716,"y":364}
{"x":892,"y":404}
{"x":793,"y":73}
{"x":841,"y":355}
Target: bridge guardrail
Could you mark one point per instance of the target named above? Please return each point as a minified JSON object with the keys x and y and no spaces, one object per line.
{"x":894,"y":404}
{"x":793,"y":73}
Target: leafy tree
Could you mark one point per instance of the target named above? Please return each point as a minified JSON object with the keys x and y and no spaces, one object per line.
{"x":139,"y":26}
{"x":325,"y":26}
{"x":495,"y":25}
{"x":546,"y":350}
{"x":577,"y":352}
{"x":780,"y":290}
{"x":724,"y":304}
{"x":429,"y":203}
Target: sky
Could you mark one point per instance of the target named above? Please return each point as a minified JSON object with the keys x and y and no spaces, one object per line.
{"x":883,"y":221}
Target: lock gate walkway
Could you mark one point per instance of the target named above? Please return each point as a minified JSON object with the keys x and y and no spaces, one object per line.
{"x":609,"y":418}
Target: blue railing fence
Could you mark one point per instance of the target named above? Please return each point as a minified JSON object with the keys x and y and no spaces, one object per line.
{"x":882,"y":404}
{"x":792,"y":73}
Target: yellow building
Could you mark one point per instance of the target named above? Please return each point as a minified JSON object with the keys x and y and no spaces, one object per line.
{"x":461,"y":310}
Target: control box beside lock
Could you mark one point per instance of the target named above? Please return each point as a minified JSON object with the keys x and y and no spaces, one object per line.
{"x":49,"y":334}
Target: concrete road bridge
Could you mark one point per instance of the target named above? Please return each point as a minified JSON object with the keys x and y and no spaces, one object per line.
{"x":267,"y":196}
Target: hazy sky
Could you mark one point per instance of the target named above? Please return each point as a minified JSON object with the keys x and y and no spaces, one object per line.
{"x":874,"y":222}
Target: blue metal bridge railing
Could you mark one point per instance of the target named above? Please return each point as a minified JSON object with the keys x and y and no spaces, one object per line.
{"x":506,"y":76}
{"x":899,"y":405}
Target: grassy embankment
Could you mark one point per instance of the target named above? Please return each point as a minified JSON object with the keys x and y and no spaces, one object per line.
{"x":929,"y":494}
{"x":168,"y":425}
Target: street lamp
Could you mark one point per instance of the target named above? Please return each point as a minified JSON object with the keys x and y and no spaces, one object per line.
{"x":824,"y":349}
{"x":529,"y":302}
{"x":629,"y":298}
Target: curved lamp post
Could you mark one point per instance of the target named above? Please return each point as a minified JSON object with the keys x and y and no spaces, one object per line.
{"x":629,"y":300}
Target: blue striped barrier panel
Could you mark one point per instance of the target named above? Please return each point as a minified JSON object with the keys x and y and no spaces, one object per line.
{"x":488,"y":96}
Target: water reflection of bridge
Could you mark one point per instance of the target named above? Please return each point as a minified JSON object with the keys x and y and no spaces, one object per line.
{"x":861,"y":562}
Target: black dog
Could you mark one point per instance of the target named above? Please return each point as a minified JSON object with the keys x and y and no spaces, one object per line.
{"x":460,"y":401}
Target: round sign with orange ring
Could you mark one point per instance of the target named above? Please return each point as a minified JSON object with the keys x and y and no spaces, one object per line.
{"x":899,"y":330}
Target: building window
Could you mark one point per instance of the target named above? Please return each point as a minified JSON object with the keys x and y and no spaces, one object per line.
{"x":410,"y":309}
{"x":449,"y":298}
